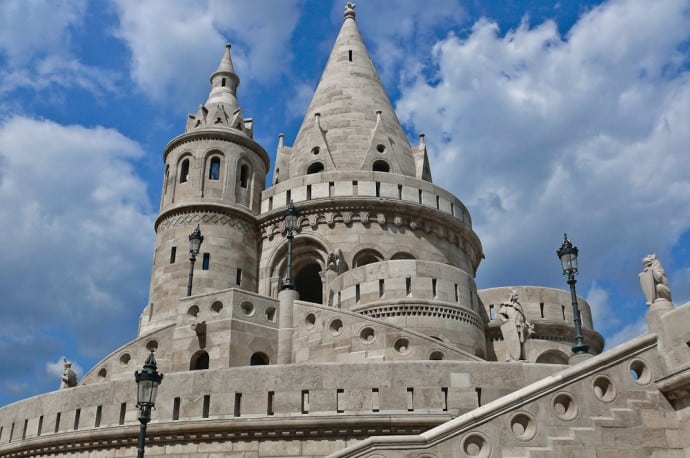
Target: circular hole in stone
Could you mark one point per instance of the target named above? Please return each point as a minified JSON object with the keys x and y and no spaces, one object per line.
{"x":367,"y":335}
{"x":152,"y":345}
{"x":564,"y":406}
{"x":523,"y":426}
{"x":604,"y":389}
{"x":640,"y":372}
{"x":193,"y":312}
{"x":247,"y":308}
{"x":124,"y":359}
{"x":271,"y":314}
{"x":437,"y":355}
{"x":475,"y":445}
{"x":380,"y":148}
{"x":315,"y":150}
{"x":402,"y":345}
{"x":216,"y":307}
{"x":102,"y":373}
{"x":336,"y":327}
{"x":309,"y":320}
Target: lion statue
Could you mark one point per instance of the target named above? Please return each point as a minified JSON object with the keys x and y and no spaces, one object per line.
{"x":653,"y":280}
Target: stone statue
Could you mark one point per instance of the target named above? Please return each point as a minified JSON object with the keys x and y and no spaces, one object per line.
{"x":515,"y":327}
{"x":336,"y":262}
{"x":653,"y":280}
{"x":69,"y":377}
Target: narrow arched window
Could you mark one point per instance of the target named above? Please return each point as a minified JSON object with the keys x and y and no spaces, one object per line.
{"x":167,"y":177}
{"x":214,"y":169}
{"x":381,"y":166}
{"x":316,"y":167}
{"x":199,"y":361}
{"x":244,"y":175}
{"x":184,"y":171}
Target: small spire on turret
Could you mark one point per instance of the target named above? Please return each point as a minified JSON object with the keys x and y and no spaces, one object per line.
{"x":421,"y":139}
{"x":350,"y":10}
{"x":281,"y":140}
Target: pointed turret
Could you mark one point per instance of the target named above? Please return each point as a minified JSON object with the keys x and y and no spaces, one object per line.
{"x":221,"y":107}
{"x":350,"y":124}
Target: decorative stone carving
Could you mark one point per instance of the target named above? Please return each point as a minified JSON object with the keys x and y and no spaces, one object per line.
{"x":653,"y":280}
{"x":69,"y":377}
{"x":514,"y":327}
{"x":336,"y":262}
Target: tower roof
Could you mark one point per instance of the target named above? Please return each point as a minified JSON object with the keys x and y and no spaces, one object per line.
{"x":350,"y":123}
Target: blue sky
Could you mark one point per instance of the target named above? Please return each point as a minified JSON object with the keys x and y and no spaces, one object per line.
{"x":542,"y":116}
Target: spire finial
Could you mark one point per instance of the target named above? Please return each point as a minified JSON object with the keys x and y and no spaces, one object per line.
{"x":350,"y":10}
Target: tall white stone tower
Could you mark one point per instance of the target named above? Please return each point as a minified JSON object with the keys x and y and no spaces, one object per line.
{"x":214,"y":175}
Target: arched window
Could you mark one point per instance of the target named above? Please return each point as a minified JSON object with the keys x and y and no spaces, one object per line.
{"x":167,"y":177}
{"x":184,"y":171}
{"x":258,"y":359}
{"x":244,"y":175}
{"x":365,"y":257}
{"x":381,"y":166}
{"x":316,"y":167}
{"x":402,"y":255}
{"x":214,"y":169}
{"x":199,"y":361}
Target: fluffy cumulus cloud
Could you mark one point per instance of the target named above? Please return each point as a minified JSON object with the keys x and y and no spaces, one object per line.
{"x":173,"y":43}
{"x":541,"y":133}
{"x":76,"y":253}
{"x":36,"y":48}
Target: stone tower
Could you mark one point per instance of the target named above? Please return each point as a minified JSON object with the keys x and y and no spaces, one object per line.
{"x":214,"y":175}
{"x":377,"y":237}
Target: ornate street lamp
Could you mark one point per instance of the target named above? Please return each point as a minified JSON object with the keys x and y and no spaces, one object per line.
{"x":567,"y":253}
{"x":195,"y":239}
{"x":291,"y":215}
{"x":147,"y":388}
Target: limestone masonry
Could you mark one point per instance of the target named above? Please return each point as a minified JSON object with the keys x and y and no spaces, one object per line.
{"x":385,"y":348}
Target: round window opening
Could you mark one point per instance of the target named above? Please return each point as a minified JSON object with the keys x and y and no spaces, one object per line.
{"x":309,"y":320}
{"x":604,"y":389}
{"x":315,"y":150}
{"x":476,"y":445}
{"x":367,"y":335}
{"x":247,"y":308}
{"x":216,"y":307}
{"x":102,"y":373}
{"x":336,"y":327}
{"x":124,"y":359}
{"x":152,"y":345}
{"x":193,"y":312}
{"x":380,"y":148}
{"x":523,"y":426}
{"x":402,"y":346}
{"x":640,"y":372}
{"x":271,"y":314}
{"x":564,"y":406}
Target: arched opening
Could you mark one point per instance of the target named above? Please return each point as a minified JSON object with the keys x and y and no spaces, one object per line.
{"x":316,"y":167}
{"x":214,"y":169}
{"x":381,"y":166}
{"x":259,"y":359}
{"x":199,"y":361}
{"x":184,"y":171}
{"x":365,"y":257}
{"x":167,"y":177}
{"x":244,"y":175}
{"x":552,"y":357}
{"x":308,"y":283}
{"x":401,"y":255}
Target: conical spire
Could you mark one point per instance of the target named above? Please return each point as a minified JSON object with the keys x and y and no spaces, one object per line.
{"x":224,"y":82}
{"x":350,"y":123}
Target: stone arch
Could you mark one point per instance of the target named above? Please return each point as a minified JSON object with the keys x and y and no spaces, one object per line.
{"x":177,"y":176}
{"x":199,"y":361}
{"x":259,"y":359}
{"x":243,"y":182}
{"x":315,"y":167}
{"x":209,"y":158}
{"x":552,"y":356}
{"x":402,"y":255}
{"x":308,"y":252}
{"x":381,"y":166}
{"x":366,"y":256}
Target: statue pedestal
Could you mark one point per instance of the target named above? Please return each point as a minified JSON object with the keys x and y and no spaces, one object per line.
{"x":656,"y":310}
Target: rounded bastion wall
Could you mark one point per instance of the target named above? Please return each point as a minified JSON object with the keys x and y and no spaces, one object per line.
{"x":550,"y":311}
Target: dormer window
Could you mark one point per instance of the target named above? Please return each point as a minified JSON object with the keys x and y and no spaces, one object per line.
{"x":316,"y":167}
{"x":381,"y":166}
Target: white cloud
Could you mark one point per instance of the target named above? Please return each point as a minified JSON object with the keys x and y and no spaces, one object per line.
{"x":600,"y":305}
{"x":588,"y":133}
{"x":77,"y":221}
{"x":37,"y":48}
{"x":173,"y":43}
{"x":630,"y":331}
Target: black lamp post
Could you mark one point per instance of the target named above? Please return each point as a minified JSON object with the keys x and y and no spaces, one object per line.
{"x":147,"y":388}
{"x":567,"y":253}
{"x":195,"y":239}
{"x":291,"y":215}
